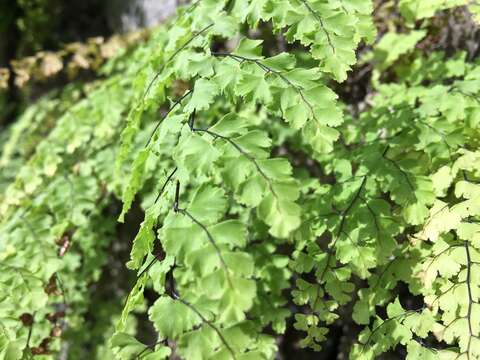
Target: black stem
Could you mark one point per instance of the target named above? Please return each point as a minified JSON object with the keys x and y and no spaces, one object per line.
{"x":211,"y":240}
{"x":165,"y":184}
{"x":170,"y":58}
{"x":322,"y":25}
{"x":177,"y":102}
{"x":267,"y":70}
{"x":172,"y":292}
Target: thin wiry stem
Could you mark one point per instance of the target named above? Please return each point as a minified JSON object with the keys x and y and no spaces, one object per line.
{"x":372,"y":213}
{"x":172,"y":292}
{"x":432,"y":260}
{"x":30,"y":331}
{"x":177,"y":102}
{"x":468,"y":316}
{"x":320,"y":21}
{"x":267,"y":70}
{"x":62,"y":289}
{"x":344,"y":214}
{"x":149,"y":347}
{"x":211,"y":240}
{"x":209,"y":323}
{"x":169,"y":178}
{"x":150,"y":264}
{"x":403,"y":172}
{"x":170,"y":58}
{"x":384,"y":271}
{"x":243,"y":152}
{"x":470,"y":95}
{"x":404,"y":314}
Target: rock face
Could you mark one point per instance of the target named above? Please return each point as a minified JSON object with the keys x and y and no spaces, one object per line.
{"x":127,"y":15}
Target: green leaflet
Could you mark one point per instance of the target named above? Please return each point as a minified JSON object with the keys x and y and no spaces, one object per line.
{"x":11,"y":350}
{"x":203,"y":95}
{"x":172,"y":318}
{"x":134,"y":299}
{"x":413,"y":10}
{"x":283,"y":216}
{"x":135,"y":182}
{"x":126,"y":347}
{"x":143,"y":242}
{"x":292,"y":209}
{"x":341,"y":28}
{"x":393,"y":45}
{"x":249,"y":48}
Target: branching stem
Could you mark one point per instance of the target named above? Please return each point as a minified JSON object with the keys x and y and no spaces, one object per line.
{"x":241,"y":151}
{"x":175,"y":296}
{"x":177,"y":102}
{"x":170,"y":58}
{"x":267,"y":70}
{"x":210,"y":238}
{"x":322,"y":25}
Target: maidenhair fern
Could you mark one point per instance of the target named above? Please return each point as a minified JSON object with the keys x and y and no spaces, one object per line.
{"x":267,"y":201}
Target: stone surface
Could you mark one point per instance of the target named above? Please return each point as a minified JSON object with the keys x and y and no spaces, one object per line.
{"x":127,"y":15}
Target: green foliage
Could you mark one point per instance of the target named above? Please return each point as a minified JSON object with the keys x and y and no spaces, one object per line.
{"x":414,"y":10}
{"x":240,"y":233}
{"x":36,"y":23}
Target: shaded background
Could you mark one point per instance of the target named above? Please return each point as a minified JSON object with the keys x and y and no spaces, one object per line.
{"x":28,"y":27}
